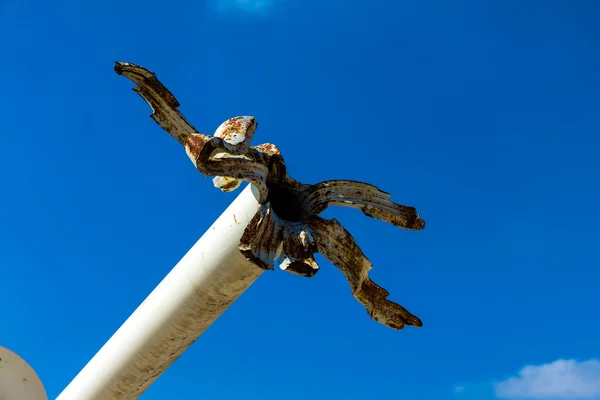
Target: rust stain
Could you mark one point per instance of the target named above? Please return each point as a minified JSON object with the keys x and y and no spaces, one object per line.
{"x":194,"y":145}
{"x":232,"y":128}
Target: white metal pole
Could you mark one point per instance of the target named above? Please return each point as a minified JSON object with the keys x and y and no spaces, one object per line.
{"x":207,"y":280}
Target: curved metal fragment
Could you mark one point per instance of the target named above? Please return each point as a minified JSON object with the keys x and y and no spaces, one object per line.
{"x":236,"y":134}
{"x":262,"y":239}
{"x":338,"y":246}
{"x":299,"y":248}
{"x":268,"y":239}
{"x":226,"y":183}
{"x":203,"y":151}
{"x":373,"y":202}
{"x":164,"y":105}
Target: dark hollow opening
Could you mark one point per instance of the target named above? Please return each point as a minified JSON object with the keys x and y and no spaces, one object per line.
{"x":285,"y":203}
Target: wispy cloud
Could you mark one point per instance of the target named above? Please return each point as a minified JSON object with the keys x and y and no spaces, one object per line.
{"x":558,"y":380}
{"x":459,"y":389}
{"x":474,"y":391}
{"x":247,"y":6}
{"x":561,"y":379}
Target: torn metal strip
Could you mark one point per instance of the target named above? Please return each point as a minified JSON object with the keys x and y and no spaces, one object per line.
{"x":339,"y":247}
{"x":164,"y":105}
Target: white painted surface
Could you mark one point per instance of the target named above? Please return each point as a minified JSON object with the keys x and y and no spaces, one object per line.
{"x":191,"y":297}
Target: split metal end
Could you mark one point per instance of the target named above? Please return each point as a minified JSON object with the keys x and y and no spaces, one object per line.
{"x":287,"y":229}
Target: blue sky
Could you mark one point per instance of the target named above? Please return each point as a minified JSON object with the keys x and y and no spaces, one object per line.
{"x":483,"y":115}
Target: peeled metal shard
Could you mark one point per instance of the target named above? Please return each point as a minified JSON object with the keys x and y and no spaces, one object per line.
{"x":339,"y":247}
{"x":236,"y":134}
{"x":164,"y":105}
{"x":286,"y":230}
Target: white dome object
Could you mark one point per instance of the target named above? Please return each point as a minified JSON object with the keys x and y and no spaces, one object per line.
{"x":18,"y":381}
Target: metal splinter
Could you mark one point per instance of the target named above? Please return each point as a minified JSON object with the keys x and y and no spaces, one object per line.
{"x":274,"y":220}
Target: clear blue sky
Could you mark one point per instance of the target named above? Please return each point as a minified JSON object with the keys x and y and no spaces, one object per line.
{"x":483,"y":115}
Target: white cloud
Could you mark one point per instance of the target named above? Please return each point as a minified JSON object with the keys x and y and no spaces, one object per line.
{"x":562,"y":379}
{"x":250,"y":6}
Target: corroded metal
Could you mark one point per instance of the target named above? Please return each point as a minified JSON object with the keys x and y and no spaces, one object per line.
{"x":286,"y":230}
